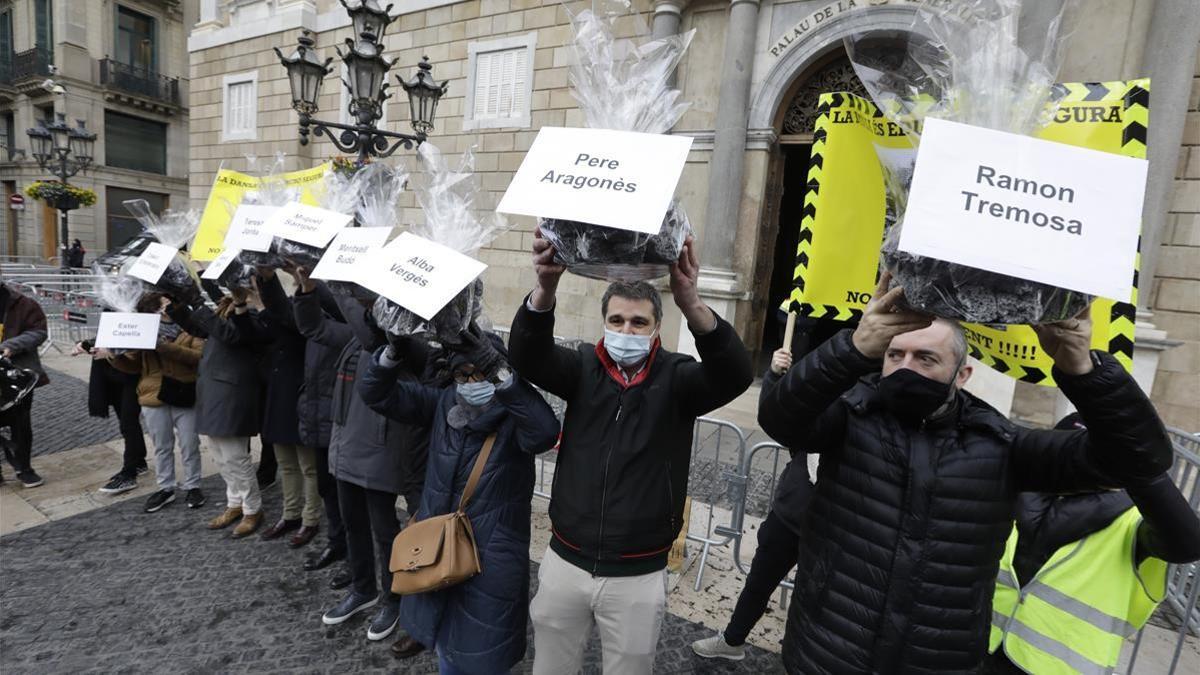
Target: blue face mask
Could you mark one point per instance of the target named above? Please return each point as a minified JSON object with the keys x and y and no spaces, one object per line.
{"x":476,"y":393}
{"x":627,"y":350}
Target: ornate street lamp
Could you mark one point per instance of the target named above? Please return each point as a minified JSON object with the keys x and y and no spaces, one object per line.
{"x":367,"y":17}
{"x":63,"y":151}
{"x":366,"y":81}
{"x":423,"y":95}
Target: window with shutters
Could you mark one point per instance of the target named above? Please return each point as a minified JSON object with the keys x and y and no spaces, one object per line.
{"x":500,"y":83}
{"x":240,"y":116}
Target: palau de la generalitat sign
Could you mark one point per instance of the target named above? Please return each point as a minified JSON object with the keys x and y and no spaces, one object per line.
{"x":823,"y":15}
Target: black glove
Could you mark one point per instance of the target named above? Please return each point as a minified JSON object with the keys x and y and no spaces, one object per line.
{"x":398,"y":346}
{"x":477,"y":347}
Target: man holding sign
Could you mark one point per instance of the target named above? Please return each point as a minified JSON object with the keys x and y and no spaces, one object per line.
{"x":622,"y":471}
{"x":918,"y":480}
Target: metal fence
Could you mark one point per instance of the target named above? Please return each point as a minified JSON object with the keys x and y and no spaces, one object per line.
{"x":66,"y":296}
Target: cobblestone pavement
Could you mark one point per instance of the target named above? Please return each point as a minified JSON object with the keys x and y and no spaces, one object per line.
{"x":60,"y":418}
{"x":119,"y":589}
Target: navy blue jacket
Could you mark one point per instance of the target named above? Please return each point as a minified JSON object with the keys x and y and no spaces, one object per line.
{"x":479,"y":625}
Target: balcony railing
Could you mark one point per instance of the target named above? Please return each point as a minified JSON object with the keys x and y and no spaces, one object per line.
{"x":139,"y":81}
{"x":31,"y":63}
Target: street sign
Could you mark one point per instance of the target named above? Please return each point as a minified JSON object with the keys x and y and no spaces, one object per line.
{"x":71,"y":316}
{"x":16,"y":202}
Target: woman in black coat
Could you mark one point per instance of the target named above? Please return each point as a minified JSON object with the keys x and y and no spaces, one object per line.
{"x":478,"y":626}
{"x":111,"y":388}
{"x":227,"y":400}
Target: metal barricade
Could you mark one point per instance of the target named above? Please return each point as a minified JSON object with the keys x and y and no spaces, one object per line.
{"x":71,"y":315}
{"x":1183,"y":581}
{"x":723,"y":440}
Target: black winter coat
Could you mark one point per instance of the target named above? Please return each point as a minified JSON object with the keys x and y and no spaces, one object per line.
{"x":480,"y":625}
{"x":283,"y":364}
{"x":227,"y":384}
{"x":621,"y":475}
{"x":793,"y":488}
{"x":902,"y":542}
{"x":110,"y":388}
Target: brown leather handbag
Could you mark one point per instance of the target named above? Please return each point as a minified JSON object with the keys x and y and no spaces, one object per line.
{"x":439,"y":552}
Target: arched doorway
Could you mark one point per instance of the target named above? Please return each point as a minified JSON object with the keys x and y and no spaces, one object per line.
{"x":788,"y":184}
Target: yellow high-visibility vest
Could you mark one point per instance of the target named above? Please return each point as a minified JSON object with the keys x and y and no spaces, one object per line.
{"x":1073,"y":616}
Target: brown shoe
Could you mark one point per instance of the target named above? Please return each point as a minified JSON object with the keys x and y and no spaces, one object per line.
{"x":227,"y":518}
{"x":280,"y":528}
{"x":304,"y":535}
{"x":406,"y":647}
{"x":249,"y":524}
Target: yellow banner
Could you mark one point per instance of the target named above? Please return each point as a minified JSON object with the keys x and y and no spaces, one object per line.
{"x":846,"y":204}
{"x":229,"y":188}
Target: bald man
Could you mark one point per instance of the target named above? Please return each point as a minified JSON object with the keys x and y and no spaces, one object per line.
{"x":918,"y":480}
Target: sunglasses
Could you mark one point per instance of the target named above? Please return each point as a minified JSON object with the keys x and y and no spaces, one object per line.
{"x":463,"y":376}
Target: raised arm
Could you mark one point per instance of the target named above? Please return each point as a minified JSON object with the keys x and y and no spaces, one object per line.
{"x":314,"y":325}
{"x":382,"y":389}
{"x":1170,"y":530}
{"x":537,"y":427}
{"x":722,"y":374}
{"x":1125,"y":442}
{"x":274,"y":300}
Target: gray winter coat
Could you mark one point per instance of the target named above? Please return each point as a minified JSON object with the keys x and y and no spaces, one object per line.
{"x":227,"y":395}
{"x":365,"y":448}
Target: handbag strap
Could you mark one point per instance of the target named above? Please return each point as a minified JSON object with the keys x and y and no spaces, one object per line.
{"x":476,"y":471}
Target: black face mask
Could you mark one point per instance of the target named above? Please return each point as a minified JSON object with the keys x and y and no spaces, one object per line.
{"x":911,"y":396}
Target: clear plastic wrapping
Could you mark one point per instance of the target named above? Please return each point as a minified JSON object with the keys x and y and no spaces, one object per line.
{"x":338,"y":192}
{"x":273,"y":190}
{"x":175,"y":229}
{"x":119,"y":293}
{"x":457,"y":218}
{"x":985,"y":63}
{"x":378,"y":187}
{"x":622,"y":86}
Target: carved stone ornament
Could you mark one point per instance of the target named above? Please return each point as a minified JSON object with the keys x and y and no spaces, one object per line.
{"x":837,"y":75}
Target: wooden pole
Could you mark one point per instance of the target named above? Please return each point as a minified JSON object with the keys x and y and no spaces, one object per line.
{"x":788,"y":331}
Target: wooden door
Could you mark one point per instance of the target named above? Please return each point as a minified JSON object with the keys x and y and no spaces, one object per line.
{"x":49,"y":232}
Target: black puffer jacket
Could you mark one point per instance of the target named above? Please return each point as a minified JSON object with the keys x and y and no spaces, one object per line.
{"x":902,"y":542}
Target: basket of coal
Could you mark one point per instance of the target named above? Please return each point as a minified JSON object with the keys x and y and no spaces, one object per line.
{"x":175,"y":229}
{"x":607,"y":253}
{"x":446,"y":325}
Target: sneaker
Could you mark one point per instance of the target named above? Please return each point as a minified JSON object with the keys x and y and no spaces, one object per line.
{"x":30,"y":478}
{"x":385,"y":621}
{"x":159,"y":499}
{"x":118,"y":484}
{"x":195,"y":498}
{"x":716,"y":647}
{"x":143,"y":469}
{"x":349,"y":606}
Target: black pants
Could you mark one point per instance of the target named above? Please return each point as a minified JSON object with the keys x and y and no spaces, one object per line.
{"x":19,"y":420}
{"x":327,"y":488}
{"x":778,"y":549}
{"x":129,"y":417}
{"x":267,"y":466}
{"x":370,"y":522}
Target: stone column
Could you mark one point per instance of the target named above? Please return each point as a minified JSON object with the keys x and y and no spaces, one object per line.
{"x":719,"y":285}
{"x":668,"y":14}
{"x":1174,"y":23}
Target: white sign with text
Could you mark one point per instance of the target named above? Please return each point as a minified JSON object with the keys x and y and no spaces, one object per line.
{"x":620,"y":179}
{"x":128,"y":330}
{"x":248,"y":230}
{"x":420,"y":275}
{"x":217,"y":267}
{"x":151,"y":264}
{"x":306,"y":224}
{"x":349,"y":248}
{"x":1025,"y":207}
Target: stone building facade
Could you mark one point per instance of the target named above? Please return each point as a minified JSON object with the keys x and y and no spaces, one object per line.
{"x":123,"y":66}
{"x":751,"y":75}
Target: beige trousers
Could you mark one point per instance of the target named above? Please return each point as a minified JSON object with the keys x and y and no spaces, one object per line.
{"x":628,"y":611}
{"x":300,"y":497}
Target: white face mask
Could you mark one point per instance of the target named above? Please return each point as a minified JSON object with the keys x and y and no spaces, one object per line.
{"x":627,"y":350}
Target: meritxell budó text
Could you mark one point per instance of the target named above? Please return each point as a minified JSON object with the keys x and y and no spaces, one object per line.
{"x":580,"y":182}
{"x":987,"y":175}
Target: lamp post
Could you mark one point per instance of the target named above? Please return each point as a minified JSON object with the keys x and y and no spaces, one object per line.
{"x":366,"y":75}
{"x":63,"y":151}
